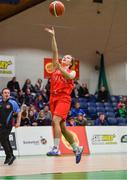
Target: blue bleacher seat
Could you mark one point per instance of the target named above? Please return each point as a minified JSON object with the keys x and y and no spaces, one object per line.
{"x":83,"y":105}
{"x":91,"y":104}
{"x":82,"y":100}
{"x":112,"y":121}
{"x":115,"y":98}
{"x":121,"y":120}
{"x":73,"y":101}
{"x":92,"y":98}
{"x":92,"y":112}
{"x":118,"y":97}
{"x":109,"y":109}
{"x":122,"y":124}
{"x":100,"y":109}
{"x":99,"y":104}
{"x":110,"y":114}
{"x":107,"y":104}
{"x":114,"y":104}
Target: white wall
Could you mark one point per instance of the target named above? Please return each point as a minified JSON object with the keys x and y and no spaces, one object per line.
{"x":29,"y":64}
{"x":79,"y":32}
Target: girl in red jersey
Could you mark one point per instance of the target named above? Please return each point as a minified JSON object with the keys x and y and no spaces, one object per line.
{"x":61,"y":83}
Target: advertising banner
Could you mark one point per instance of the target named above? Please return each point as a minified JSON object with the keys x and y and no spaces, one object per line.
{"x":34,"y":140}
{"x":107,"y":139}
{"x":123,"y":138}
{"x":7,"y":66}
{"x":79,"y":134}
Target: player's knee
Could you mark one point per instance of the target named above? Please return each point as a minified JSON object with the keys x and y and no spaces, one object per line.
{"x":56,"y":120}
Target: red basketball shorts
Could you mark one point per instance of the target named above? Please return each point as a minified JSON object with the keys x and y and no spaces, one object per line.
{"x":60,"y":105}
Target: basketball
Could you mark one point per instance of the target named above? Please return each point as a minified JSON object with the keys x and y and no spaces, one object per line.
{"x":56,"y":8}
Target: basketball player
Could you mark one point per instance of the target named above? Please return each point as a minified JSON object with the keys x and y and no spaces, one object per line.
{"x":60,"y":100}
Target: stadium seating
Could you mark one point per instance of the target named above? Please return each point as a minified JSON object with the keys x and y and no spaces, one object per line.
{"x":122,"y":121}
{"x":112,"y":121}
{"x":109,"y":109}
{"x":110,"y":114}
{"x":92,"y":112}
{"x":93,"y":108}
{"x":99,"y":104}
{"x":91,"y":104}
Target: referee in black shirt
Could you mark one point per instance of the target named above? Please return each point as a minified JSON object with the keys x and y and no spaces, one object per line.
{"x":8,"y":107}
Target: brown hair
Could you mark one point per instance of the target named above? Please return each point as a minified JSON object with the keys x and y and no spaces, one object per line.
{"x":4,"y":89}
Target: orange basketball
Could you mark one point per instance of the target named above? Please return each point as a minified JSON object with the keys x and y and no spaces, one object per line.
{"x":56,"y":8}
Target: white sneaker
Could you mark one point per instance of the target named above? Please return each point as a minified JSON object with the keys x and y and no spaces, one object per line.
{"x":54,"y":152}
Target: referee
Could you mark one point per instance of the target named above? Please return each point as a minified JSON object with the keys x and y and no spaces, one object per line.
{"x":8,"y":107}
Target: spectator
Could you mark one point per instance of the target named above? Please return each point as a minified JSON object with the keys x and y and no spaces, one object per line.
{"x":102,"y":95}
{"x":101,"y":120}
{"x":124,"y":100}
{"x":39,"y":102}
{"x":32,"y":118}
{"x":47,"y":89}
{"x":39,"y":87}
{"x":20,"y":97}
{"x":24,"y":107}
{"x":75,"y":92}
{"x":33,"y":108}
{"x":14,"y":87}
{"x":76,"y":110}
{"x":42,"y":120}
{"x":24,"y":119}
{"x":47,"y":112}
{"x":28,"y":85}
{"x":83,"y":91}
{"x":122,"y":110}
{"x":81,"y":120}
{"x":28,"y":97}
{"x":70,"y":121}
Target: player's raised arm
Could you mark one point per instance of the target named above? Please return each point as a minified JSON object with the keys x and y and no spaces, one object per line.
{"x":67,"y":75}
{"x":54,"y":45}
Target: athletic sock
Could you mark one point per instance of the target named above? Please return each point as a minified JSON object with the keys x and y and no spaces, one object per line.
{"x":74,"y":146}
{"x":57,"y":142}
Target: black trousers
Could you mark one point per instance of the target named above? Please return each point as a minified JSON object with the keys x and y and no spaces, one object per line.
{"x":4,"y":140}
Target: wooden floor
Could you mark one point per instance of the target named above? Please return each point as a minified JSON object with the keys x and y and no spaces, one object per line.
{"x":29,"y":165}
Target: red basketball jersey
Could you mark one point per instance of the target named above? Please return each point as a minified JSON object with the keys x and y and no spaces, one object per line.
{"x":59,"y":84}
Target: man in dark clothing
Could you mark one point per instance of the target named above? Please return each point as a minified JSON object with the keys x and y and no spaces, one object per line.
{"x":14,"y":87}
{"x":8,"y":107}
{"x":102,"y":95}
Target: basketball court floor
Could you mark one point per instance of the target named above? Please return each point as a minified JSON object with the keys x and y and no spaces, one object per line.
{"x":102,"y":166}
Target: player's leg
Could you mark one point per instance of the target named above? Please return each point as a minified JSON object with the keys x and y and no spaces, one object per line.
{"x":67,"y":134}
{"x":59,"y":107}
{"x":78,"y":150}
{"x":56,"y":127}
{"x":57,"y":135}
